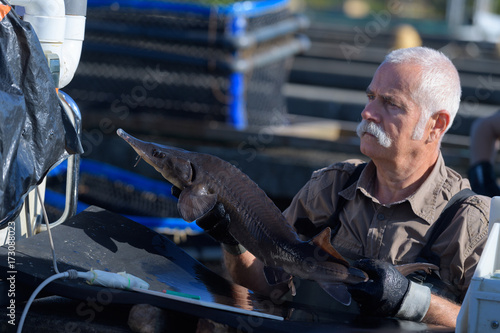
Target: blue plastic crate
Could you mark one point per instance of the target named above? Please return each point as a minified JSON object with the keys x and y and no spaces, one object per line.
{"x":233,"y":19}
{"x":223,"y":63}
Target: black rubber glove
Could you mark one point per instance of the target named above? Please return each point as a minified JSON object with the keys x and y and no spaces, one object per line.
{"x":388,"y":293}
{"x":216,"y":224}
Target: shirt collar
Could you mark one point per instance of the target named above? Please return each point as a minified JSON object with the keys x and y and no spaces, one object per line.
{"x":422,"y":202}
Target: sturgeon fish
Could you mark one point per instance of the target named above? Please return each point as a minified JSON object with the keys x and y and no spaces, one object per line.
{"x":256,"y":222}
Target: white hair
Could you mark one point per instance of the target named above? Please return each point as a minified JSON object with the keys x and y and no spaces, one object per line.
{"x":439,"y":83}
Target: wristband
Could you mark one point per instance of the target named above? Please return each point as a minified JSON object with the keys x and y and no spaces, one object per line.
{"x":415,"y":303}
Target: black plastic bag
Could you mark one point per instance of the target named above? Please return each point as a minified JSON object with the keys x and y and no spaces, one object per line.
{"x":34,"y":133}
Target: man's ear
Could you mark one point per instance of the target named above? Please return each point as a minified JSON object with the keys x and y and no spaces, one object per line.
{"x":438,"y":125}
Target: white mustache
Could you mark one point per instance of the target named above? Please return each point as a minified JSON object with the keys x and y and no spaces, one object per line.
{"x":371,"y":128}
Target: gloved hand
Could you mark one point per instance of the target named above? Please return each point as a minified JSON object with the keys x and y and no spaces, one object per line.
{"x":216,"y":225}
{"x":388,"y":293}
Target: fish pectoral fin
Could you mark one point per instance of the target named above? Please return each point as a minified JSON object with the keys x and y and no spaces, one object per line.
{"x":322,"y":240}
{"x":194,"y":202}
{"x":337,"y":291}
{"x":275,"y":275}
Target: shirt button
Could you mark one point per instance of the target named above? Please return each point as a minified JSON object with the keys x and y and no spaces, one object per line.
{"x":380,"y":216}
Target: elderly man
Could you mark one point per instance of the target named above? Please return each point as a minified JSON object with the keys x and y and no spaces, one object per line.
{"x":389,"y":211}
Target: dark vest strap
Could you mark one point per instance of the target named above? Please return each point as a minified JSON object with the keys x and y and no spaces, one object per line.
{"x":305,"y":227}
{"x":443,"y":222}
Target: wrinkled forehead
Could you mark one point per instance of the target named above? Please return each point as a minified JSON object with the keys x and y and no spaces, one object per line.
{"x":403,"y":78}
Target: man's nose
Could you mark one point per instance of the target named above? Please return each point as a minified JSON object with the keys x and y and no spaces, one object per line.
{"x":371,"y":111}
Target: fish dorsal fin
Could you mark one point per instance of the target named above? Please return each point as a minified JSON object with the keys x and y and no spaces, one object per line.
{"x":322,"y":240}
{"x":195,"y":201}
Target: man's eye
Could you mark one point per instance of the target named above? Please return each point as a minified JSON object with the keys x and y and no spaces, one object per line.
{"x":390,"y":103}
{"x":370,"y":97}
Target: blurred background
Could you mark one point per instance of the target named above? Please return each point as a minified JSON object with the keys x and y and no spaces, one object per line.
{"x":275,"y":87}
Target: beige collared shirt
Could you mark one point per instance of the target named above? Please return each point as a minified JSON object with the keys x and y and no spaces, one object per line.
{"x":397,"y":232}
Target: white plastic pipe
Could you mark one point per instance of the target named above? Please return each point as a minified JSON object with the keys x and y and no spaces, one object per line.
{"x":72,"y":48}
{"x":57,"y":32}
